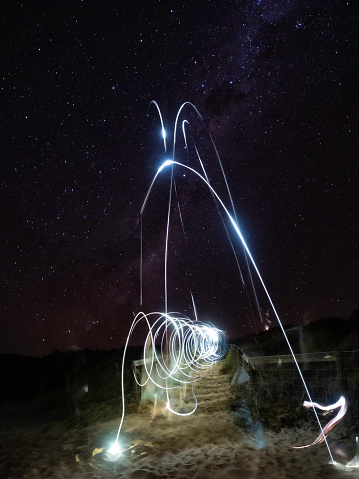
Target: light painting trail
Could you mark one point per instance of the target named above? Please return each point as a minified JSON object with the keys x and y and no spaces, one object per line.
{"x":343,"y":407}
{"x":233,"y":219}
{"x":188,"y":348}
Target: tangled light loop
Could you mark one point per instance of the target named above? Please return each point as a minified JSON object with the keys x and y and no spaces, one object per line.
{"x":186,"y":349}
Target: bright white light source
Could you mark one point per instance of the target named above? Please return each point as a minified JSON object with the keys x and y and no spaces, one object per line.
{"x":115,"y":449}
{"x":213,"y":335}
{"x":166,"y":163}
{"x":163,"y":133}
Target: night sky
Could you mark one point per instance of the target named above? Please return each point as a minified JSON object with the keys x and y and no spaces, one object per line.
{"x":276,"y":82}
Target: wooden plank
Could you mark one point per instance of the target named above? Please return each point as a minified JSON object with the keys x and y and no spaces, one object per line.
{"x":301,"y":358}
{"x":141,"y":362}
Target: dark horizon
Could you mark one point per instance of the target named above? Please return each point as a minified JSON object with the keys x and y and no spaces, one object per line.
{"x":317,"y":323}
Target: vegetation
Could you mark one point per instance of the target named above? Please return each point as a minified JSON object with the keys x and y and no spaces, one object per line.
{"x":103,"y":401}
{"x":273,"y":394}
{"x":77,"y":388}
{"x":230,"y":362}
{"x":260,"y":400}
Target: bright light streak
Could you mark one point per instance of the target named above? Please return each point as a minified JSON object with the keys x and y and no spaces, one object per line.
{"x":166,"y":163}
{"x":343,"y":407}
{"x":153,"y":102}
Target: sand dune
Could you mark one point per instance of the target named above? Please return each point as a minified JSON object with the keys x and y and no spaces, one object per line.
{"x":204,"y":445}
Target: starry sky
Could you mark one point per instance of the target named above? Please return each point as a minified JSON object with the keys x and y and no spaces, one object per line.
{"x":276,"y":82}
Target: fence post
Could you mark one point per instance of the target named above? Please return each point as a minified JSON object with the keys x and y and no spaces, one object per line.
{"x":340,"y":364}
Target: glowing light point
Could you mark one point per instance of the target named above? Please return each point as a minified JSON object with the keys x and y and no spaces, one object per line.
{"x":166,"y":163}
{"x":115,"y":449}
{"x":213,"y":335}
{"x":355,"y":461}
{"x":163,"y":133}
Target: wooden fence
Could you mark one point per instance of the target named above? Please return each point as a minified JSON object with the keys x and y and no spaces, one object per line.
{"x":327,"y":375}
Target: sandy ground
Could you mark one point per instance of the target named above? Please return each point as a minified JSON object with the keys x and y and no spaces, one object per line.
{"x":204,"y":445}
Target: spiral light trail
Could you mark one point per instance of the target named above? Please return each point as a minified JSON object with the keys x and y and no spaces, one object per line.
{"x":176,"y":352}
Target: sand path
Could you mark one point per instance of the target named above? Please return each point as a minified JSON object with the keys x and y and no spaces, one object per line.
{"x":204,"y":445}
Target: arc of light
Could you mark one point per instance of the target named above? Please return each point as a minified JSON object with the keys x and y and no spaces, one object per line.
{"x":163,"y":131}
{"x":236,"y":228}
{"x":176,"y":122}
{"x":134,"y":323}
{"x":194,"y":306}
